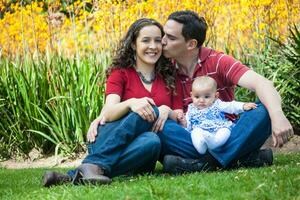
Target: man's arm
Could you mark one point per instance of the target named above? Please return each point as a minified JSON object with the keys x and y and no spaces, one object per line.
{"x":266,"y":92}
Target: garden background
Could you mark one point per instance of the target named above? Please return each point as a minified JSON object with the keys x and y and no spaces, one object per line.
{"x":53,"y":56}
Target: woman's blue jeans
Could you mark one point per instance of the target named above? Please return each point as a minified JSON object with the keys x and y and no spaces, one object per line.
{"x":125,"y":146}
{"x":250,"y":132}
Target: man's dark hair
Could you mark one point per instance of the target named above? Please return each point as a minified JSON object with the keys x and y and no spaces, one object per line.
{"x":194,"y":27}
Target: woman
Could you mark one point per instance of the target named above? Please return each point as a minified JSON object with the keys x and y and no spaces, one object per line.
{"x":139,"y":80}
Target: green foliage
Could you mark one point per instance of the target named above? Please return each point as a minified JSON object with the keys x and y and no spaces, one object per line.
{"x":292,"y":49}
{"x":50,"y":102}
{"x":280,"y":181}
{"x":281,"y":66}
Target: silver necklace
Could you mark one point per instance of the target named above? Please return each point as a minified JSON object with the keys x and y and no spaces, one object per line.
{"x":144,"y":80}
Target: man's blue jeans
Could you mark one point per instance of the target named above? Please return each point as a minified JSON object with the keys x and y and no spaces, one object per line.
{"x":250,"y":132}
{"x":125,"y":146}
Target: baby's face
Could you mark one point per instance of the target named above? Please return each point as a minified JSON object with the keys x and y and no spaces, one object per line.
{"x":203,"y":97}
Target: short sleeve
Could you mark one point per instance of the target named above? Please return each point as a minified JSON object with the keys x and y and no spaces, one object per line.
{"x":230,"y":69}
{"x":115,"y":83}
{"x":177,"y":99}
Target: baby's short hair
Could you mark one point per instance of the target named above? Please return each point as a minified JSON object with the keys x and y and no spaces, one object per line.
{"x":205,"y":81}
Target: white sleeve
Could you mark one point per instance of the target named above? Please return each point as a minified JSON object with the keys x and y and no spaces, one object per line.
{"x":232,"y":107}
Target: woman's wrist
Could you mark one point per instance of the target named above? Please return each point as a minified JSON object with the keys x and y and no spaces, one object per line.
{"x":130,"y":103}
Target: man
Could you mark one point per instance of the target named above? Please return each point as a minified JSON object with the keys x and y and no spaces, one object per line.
{"x":185,"y":34}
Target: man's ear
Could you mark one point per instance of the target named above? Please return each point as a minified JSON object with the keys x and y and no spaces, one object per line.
{"x":192,"y":44}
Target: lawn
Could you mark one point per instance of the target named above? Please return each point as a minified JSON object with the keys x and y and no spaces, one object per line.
{"x":281,"y":181}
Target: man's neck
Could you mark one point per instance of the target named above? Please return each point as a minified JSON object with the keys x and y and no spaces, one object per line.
{"x":188,"y":62}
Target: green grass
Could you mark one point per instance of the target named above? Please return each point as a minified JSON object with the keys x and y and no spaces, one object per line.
{"x":280,"y":181}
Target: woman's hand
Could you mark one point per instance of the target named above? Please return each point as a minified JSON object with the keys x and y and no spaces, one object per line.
{"x":92,"y":132}
{"x":143,"y":107}
{"x":163,"y":116}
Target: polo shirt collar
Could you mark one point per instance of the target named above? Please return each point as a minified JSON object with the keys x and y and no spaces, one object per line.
{"x":204,"y":53}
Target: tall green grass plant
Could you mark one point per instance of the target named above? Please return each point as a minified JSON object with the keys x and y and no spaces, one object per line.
{"x":50,"y":102}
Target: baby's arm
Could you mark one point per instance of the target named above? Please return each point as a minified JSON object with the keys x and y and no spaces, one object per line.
{"x":235,"y":107}
{"x":249,"y":106}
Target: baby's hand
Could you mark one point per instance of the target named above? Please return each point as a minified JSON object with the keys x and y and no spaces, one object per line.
{"x":249,"y":106}
{"x":181,"y":119}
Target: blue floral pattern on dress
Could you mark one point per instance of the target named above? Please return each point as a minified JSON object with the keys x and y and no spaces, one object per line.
{"x":212,"y":118}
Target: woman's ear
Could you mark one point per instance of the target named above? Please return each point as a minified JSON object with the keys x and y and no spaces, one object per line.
{"x":133,"y":46}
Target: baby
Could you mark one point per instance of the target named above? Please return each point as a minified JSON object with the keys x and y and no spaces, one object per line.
{"x":205,"y":118}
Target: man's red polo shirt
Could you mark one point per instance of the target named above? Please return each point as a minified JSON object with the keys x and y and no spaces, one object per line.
{"x":223,"y":68}
{"x":126,"y":83}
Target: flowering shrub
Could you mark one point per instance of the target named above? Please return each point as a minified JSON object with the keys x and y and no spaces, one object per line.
{"x":91,"y":26}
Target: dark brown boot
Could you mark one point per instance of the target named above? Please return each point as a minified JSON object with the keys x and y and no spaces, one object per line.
{"x":90,"y":174}
{"x":55,"y":178}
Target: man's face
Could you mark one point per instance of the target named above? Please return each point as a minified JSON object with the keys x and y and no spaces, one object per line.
{"x":174,"y":44}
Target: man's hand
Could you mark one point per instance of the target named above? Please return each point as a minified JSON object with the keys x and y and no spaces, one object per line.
{"x":92,"y":132}
{"x":282,"y":130}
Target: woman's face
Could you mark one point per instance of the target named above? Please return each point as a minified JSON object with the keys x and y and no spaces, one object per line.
{"x":148,"y":45}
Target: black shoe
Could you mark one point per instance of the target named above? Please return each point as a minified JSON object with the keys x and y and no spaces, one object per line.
{"x":54,"y":178}
{"x":266,"y":157}
{"x":178,"y":165}
{"x":259,"y":158}
{"x":90,"y":174}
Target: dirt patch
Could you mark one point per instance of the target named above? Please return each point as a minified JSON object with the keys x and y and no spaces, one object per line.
{"x":42,"y":162}
{"x":292,"y":146}
{"x":37,"y":161}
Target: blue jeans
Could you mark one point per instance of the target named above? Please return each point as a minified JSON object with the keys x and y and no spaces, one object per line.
{"x":250,"y":132}
{"x":125,"y":146}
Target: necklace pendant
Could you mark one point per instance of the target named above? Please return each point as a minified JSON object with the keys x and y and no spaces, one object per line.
{"x":144,"y":80}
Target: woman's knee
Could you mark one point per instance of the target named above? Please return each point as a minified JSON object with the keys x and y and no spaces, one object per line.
{"x":135,"y":115}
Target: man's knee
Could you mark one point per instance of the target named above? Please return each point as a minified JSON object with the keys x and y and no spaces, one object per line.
{"x":154,"y":140}
{"x":260,"y":113}
{"x":151,"y":141}
{"x":262,"y":110}
{"x":170,"y":126}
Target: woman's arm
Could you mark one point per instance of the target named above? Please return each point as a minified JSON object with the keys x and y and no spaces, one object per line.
{"x":114,"y":109}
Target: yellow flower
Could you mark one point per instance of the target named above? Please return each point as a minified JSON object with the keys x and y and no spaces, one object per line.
{"x":233,"y":24}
